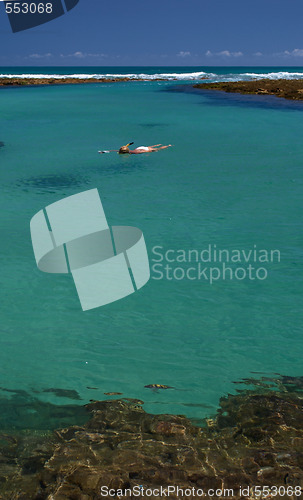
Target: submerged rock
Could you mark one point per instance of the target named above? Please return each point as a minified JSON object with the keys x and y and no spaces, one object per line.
{"x":255,"y":439}
{"x":51,"y":182}
{"x":158,"y":386}
{"x":113,"y":393}
{"x":64,"y":393}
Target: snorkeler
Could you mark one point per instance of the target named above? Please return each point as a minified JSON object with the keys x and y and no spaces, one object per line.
{"x":141,"y":149}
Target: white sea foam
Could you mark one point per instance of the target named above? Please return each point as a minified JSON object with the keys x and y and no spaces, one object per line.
{"x":235,"y":77}
{"x":132,"y":76}
{"x":274,"y":76}
{"x":194,"y":76}
{"x":271,"y":76}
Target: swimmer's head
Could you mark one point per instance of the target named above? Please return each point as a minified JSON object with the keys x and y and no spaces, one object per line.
{"x":123,"y":150}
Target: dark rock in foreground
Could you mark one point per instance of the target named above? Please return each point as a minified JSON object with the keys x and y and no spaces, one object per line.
{"x":256,"y":438}
{"x":289,"y":89}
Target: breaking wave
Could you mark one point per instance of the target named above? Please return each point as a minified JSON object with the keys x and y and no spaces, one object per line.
{"x":274,"y":76}
{"x":132,"y":76}
{"x":218,"y":76}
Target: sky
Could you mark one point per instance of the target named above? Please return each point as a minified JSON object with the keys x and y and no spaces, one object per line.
{"x":161,"y":33}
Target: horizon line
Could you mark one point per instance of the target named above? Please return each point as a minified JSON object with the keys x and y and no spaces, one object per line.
{"x":151,"y":66}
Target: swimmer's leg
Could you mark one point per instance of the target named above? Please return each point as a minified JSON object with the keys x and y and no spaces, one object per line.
{"x":162,"y":147}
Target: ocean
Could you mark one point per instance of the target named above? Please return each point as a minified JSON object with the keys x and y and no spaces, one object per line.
{"x":228,"y":194}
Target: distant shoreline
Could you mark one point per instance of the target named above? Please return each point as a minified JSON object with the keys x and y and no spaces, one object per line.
{"x":288,"y":89}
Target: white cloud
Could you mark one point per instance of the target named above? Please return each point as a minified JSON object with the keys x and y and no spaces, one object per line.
{"x":79,"y":54}
{"x":83,"y":55}
{"x":258,"y":54}
{"x":40,"y":56}
{"x":295,"y":53}
{"x":291,"y":53}
{"x":223,"y":53}
{"x":184,"y":53}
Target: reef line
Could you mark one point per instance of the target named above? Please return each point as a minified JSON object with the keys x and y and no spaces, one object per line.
{"x":289,"y":89}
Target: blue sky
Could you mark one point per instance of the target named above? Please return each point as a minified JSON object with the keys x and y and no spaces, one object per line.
{"x":169,"y":32}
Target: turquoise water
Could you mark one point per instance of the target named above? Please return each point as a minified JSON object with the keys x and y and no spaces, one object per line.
{"x":233,"y":179}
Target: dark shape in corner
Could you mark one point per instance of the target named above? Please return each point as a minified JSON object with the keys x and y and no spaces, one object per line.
{"x":38,"y":13}
{"x":2,"y":144}
{"x":70,"y":4}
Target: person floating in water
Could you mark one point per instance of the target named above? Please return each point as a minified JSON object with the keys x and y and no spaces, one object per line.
{"x":137,"y":151}
{"x":141,"y":149}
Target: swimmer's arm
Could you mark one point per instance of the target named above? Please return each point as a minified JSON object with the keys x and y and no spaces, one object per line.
{"x":109,"y":151}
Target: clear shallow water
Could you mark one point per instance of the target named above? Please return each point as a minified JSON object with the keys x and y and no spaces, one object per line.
{"x":233,"y":178}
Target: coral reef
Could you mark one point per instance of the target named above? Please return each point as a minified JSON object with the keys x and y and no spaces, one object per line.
{"x":289,"y":89}
{"x":256,"y":438}
{"x":23,"y":82}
